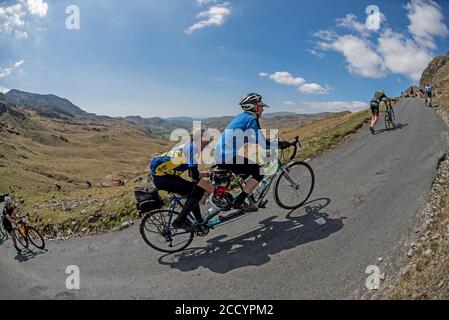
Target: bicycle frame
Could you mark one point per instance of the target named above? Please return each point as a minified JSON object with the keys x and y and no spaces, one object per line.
{"x":23,"y":228}
{"x":208,"y":220}
{"x":389,"y":113}
{"x":281,"y":167}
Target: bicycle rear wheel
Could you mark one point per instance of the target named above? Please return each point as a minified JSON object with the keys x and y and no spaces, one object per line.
{"x":294,"y":185}
{"x":3,"y":232}
{"x":35,"y":238}
{"x":392,"y":118}
{"x":21,"y":238}
{"x":161,"y":236}
{"x":387,"y":120}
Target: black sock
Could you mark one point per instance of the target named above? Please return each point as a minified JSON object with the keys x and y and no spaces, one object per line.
{"x":240,"y":198}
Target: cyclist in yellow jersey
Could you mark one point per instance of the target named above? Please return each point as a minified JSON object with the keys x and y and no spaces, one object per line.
{"x":166,"y":170}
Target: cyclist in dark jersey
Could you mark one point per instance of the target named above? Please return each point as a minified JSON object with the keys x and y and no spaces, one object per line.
{"x":379,"y":96}
{"x":428,"y":90}
{"x":9,"y":219}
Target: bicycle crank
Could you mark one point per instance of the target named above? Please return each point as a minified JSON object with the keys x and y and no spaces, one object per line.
{"x":202,"y":233}
{"x":263,"y":204}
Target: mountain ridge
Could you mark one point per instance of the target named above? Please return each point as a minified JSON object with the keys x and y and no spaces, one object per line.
{"x":22,"y":98}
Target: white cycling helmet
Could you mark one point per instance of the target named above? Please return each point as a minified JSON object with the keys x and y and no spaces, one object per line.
{"x":8,"y":200}
{"x":249,"y":101}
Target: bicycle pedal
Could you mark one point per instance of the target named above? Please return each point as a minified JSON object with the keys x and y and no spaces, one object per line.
{"x":263,"y":204}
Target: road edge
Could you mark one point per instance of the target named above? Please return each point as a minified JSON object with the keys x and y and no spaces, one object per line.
{"x":419,"y":276}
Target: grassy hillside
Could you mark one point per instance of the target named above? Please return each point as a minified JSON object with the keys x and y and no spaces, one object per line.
{"x":324,"y":134}
{"x":37,"y":152}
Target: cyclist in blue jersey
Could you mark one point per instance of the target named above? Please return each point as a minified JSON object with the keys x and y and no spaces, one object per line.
{"x":247,"y":125}
{"x":166,"y":170}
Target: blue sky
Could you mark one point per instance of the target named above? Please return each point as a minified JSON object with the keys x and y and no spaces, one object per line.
{"x":197,"y":58}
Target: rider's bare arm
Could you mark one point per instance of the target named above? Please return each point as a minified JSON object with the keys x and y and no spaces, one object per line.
{"x":198,"y":177}
{"x":204,"y":174}
{"x":12,"y":218}
{"x":206,"y":185}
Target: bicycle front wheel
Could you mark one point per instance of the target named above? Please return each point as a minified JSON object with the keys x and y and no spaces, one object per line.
{"x":294,"y":185}
{"x":35,"y":238}
{"x":21,"y":238}
{"x":161,"y":236}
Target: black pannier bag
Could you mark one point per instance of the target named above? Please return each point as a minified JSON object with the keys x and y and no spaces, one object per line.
{"x":221,"y":176}
{"x":148,"y":200}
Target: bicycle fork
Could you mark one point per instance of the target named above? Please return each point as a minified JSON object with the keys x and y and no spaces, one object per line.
{"x":287,"y":176}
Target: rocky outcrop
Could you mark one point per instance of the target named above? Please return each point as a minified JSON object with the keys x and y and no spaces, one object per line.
{"x":10,"y":110}
{"x":437,"y":75}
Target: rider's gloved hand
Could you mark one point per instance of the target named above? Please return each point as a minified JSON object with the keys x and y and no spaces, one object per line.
{"x":283,"y":145}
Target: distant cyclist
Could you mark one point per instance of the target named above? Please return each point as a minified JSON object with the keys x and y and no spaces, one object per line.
{"x":226,"y":150}
{"x":379,"y":96}
{"x":428,"y":91}
{"x":10,"y":219}
{"x":166,"y":170}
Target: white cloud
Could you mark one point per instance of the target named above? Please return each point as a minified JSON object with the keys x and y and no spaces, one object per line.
{"x":426,"y":22}
{"x":214,"y":16}
{"x":351,"y":22}
{"x":201,"y":2}
{"x":4,"y":72}
{"x":402,"y":55}
{"x":398,"y":53}
{"x":361,"y":57}
{"x":313,"y":88}
{"x":13,"y":17}
{"x":332,"y":106}
{"x":37,"y":8}
{"x":316,"y":53}
{"x":284,"y":77}
{"x":326,"y":35}
{"x":18,"y":63}
{"x":289,"y":103}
